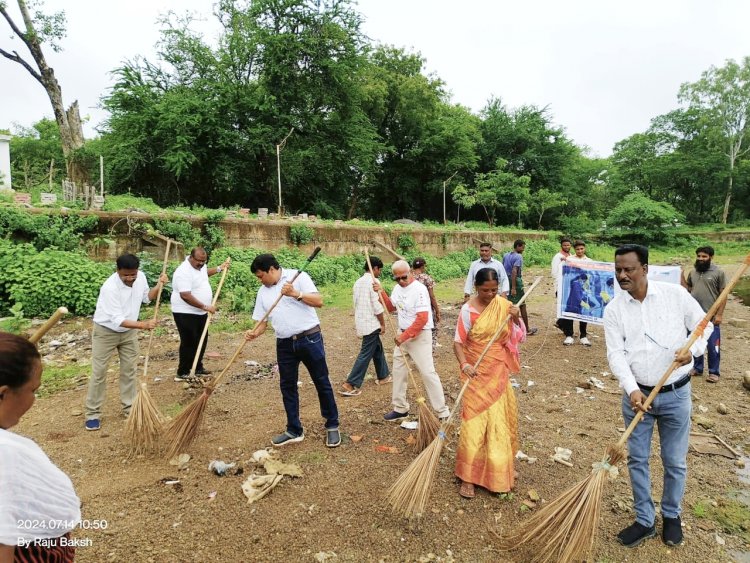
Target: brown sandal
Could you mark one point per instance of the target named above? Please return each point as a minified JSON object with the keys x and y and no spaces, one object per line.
{"x":712,"y":378}
{"x":466,"y":490}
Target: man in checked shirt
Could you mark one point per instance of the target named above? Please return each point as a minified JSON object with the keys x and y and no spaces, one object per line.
{"x":645,"y":327}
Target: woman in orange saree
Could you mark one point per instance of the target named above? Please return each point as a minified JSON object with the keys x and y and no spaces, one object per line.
{"x":489,"y":419}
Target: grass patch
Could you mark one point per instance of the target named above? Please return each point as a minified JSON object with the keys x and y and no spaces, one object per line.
{"x":232,"y":325}
{"x":311,"y":458}
{"x":338,"y":296}
{"x":172,"y":410}
{"x":56,"y":379}
{"x":731,"y":515}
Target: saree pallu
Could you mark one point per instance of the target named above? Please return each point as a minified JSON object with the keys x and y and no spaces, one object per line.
{"x":489,"y":420}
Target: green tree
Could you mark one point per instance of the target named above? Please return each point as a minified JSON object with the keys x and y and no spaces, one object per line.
{"x":543,"y":200}
{"x":640,"y":218}
{"x":724,"y":96}
{"x":495,"y":191}
{"x":35,"y":153}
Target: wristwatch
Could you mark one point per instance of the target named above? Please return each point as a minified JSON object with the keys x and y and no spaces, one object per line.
{"x":218,"y":269}
{"x":299,"y":297}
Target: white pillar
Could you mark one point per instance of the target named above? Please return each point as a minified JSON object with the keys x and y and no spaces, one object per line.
{"x":4,"y":162}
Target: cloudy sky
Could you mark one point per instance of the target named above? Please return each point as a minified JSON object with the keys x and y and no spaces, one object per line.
{"x":603,"y":68}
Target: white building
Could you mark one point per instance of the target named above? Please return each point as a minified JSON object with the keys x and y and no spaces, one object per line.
{"x":4,"y":162}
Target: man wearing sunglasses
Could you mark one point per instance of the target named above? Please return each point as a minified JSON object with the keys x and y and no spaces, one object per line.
{"x":411,"y":300}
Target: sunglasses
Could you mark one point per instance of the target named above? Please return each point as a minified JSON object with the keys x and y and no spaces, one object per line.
{"x":400,"y":278}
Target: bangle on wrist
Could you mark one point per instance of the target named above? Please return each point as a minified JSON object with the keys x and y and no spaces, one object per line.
{"x":299,"y":297}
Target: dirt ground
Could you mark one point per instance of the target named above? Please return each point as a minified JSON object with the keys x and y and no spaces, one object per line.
{"x":336,"y":510}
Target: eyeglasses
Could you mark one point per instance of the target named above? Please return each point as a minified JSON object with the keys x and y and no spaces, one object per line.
{"x":401,"y":278}
{"x":647,"y":335}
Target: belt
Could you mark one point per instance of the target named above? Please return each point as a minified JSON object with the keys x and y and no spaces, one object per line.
{"x":308,"y":332}
{"x":671,"y":387}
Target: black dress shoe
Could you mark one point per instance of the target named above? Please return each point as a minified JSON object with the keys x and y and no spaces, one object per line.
{"x":635,"y":534}
{"x":671,"y":532}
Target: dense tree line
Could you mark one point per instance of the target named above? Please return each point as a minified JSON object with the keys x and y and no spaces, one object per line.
{"x":374,"y":136}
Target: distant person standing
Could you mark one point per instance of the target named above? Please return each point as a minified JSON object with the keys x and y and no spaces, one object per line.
{"x":513,"y":264}
{"x":580,"y":293}
{"x":419,"y":269}
{"x":191,"y":303}
{"x":705,"y":283}
{"x":486,"y":261}
{"x":114,"y":330}
{"x":565,"y":325}
{"x":369,"y":322}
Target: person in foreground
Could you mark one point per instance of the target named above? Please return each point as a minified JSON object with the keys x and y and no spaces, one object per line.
{"x":489,"y":420}
{"x":298,"y":339}
{"x":645,"y":328}
{"x":115,"y":329}
{"x":34,"y":491}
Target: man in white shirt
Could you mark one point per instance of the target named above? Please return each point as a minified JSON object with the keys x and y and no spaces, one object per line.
{"x":369,"y":323}
{"x":645,"y":327}
{"x":486,"y":261}
{"x":412,"y":301}
{"x":298,"y":339}
{"x":191,"y":303}
{"x":114,"y":329}
{"x":565,"y":325}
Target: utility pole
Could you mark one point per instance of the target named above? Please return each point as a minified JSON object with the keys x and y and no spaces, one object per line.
{"x":278,"y":162}
{"x":445,"y":183}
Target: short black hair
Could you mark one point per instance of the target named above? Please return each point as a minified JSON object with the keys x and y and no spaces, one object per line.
{"x":578,"y":242}
{"x":565,"y":239}
{"x":485,"y":244}
{"x":17,"y":359}
{"x":706,"y":250}
{"x":484,"y":275}
{"x":640,"y":251}
{"x":376,"y":263}
{"x":518,"y":242}
{"x":128,"y":262}
{"x":264,"y":262}
{"x":198,"y":249}
{"x":418,"y":263}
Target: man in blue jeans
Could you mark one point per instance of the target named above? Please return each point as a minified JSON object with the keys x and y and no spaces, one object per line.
{"x":645,"y":328}
{"x":369,"y":323}
{"x":705,"y":284}
{"x":298,"y":339}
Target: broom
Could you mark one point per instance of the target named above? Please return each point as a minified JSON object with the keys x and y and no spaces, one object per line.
{"x":428,"y":425}
{"x":210,"y":316}
{"x":565,"y":529}
{"x":145,"y":422}
{"x":48,"y":324}
{"x":409,"y":493}
{"x":184,"y":428}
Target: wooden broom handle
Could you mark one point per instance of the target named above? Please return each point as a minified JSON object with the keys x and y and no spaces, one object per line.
{"x":495,"y":336}
{"x":387,"y":315}
{"x":694,"y":335}
{"x":212,"y":385}
{"x":208,"y":318}
{"x":52,"y":321}
{"x":159,"y":286}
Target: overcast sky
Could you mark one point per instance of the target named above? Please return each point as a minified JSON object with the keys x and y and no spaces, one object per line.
{"x":604,"y":68}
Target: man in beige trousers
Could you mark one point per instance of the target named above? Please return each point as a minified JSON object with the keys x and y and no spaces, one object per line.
{"x":114,"y":329}
{"x":412,"y":301}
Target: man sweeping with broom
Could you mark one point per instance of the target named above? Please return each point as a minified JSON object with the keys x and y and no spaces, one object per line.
{"x":644,"y":326}
{"x":412,"y":301}
{"x":298,"y":339}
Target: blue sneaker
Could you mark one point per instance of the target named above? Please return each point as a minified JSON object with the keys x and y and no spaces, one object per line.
{"x":395,"y":416}
{"x":93,"y":424}
{"x":286,"y":438}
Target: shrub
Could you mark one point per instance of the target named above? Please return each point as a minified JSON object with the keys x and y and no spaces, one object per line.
{"x":405,"y":243}
{"x":639,"y":218}
{"x":179,"y":230}
{"x":46,"y":231}
{"x":301,"y":234}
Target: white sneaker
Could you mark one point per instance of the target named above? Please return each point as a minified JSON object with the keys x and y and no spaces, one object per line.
{"x":585,"y":341}
{"x":568,"y":341}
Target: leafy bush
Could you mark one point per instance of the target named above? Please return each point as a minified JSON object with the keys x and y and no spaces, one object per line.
{"x":639,"y":218}
{"x":301,"y":234}
{"x":125,"y":202}
{"x":46,"y":231}
{"x":580,"y":225}
{"x":405,"y":242}
{"x":179,"y":230}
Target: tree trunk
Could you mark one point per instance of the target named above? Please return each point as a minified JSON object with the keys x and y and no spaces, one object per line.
{"x":727,"y":199}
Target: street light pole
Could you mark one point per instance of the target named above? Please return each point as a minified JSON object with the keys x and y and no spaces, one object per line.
{"x":278,"y":163}
{"x":445,"y":183}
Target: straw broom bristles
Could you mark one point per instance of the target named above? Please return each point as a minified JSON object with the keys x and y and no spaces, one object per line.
{"x":409,"y":493}
{"x":428,"y":424}
{"x":565,"y":529}
{"x":145,"y":423}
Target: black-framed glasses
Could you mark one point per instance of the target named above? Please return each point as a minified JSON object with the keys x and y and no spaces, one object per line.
{"x":401,"y":278}
{"x":647,"y":335}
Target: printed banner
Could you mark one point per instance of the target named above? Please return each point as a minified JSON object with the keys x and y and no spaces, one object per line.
{"x":585,"y":288}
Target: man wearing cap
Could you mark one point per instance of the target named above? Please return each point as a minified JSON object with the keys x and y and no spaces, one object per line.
{"x":298,"y":339}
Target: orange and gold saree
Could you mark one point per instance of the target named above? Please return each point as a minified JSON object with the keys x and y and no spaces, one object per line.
{"x":489,"y":420}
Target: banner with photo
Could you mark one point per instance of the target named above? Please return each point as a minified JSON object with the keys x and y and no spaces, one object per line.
{"x":585,"y":287}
